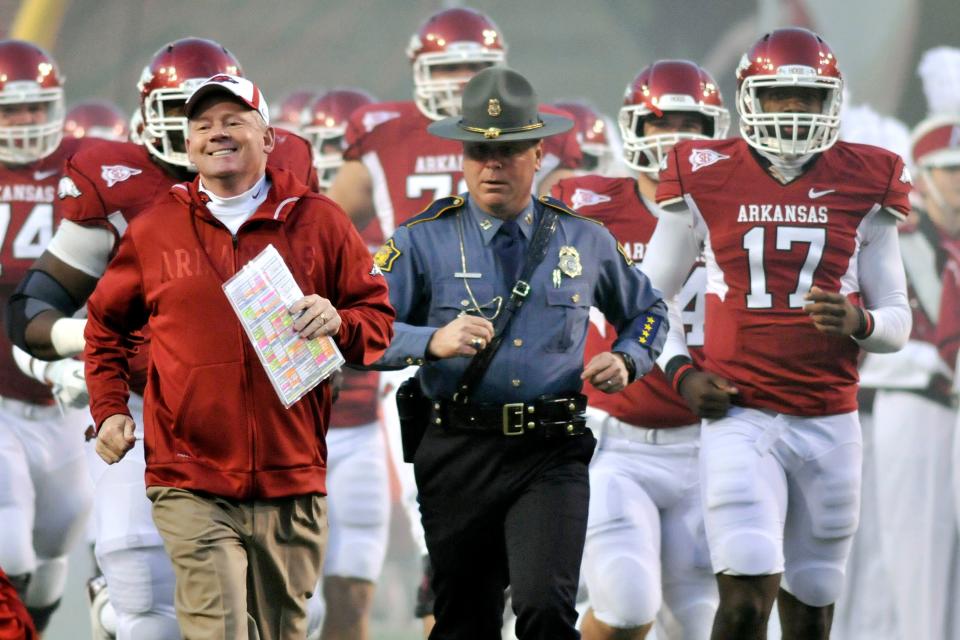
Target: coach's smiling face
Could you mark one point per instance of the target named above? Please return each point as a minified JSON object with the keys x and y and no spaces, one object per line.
{"x":228,"y":142}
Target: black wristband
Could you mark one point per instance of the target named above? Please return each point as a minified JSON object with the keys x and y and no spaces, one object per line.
{"x":865,"y":328}
{"x":629,"y":364}
{"x":674,"y":365}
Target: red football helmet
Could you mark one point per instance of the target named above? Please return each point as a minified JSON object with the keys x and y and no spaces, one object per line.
{"x":792,"y":57}
{"x":96,"y":119}
{"x":325,"y":122}
{"x":451,"y":37}
{"x":665,"y":86}
{"x":293,"y":109}
{"x":592,"y":134}
{"x":29,"y":78}
{"x":166,"y":83}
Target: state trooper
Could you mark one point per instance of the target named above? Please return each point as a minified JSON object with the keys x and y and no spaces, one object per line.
{"x":493,"y":291}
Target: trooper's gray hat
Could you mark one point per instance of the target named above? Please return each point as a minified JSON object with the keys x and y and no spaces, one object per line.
{"x":499,"y":105}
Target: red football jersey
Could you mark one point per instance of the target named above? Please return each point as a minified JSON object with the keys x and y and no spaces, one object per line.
{"x":616,"y":202}
{"x":27,"y":221}
{"x":111,"y":183}
{"x":411,"y":168}
{"x":357,"y":403}
{"x":766,"y":244}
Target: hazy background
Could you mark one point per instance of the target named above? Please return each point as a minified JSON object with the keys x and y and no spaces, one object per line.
{"x":568,"y":48}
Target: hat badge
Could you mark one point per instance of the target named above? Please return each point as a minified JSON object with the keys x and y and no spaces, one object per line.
{"x":493,"y":108}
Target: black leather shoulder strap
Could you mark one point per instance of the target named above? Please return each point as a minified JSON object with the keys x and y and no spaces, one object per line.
{"x":518,"y":295}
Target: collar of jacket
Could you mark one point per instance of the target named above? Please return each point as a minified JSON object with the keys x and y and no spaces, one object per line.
{"x":285,"y":192}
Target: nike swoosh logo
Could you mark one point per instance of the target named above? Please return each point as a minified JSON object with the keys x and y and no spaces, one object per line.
{"x":813,"y":194}
{"x":43,"y":175}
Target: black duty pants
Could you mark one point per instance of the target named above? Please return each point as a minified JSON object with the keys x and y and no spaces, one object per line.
{"x":501,"y":510}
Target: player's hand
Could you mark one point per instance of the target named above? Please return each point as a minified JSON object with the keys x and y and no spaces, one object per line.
{"x":115,"y":438}
{"x":314,"y":316}
{"x":607,"y":372}
{"x":463,"y":336}
{"x":832,"y":313}
{"x":69,"y":385}
{"x":707,"y":394}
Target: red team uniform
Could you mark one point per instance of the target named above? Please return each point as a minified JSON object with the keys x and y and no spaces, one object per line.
{"x":645,"y":548}
{"x":27,"y":213}
{"x":781,"y":211}
{"x":765,"y":248}
{"x":616,"y":202}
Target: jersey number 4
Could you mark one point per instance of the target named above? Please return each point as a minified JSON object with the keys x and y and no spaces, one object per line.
{"x":753,"y":242}
{"x":35,"y":233}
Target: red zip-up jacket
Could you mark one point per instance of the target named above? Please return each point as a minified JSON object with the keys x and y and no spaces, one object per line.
{"x":213,"y":422}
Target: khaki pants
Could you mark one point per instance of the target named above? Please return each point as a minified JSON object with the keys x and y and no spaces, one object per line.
{"x":232,"y":559}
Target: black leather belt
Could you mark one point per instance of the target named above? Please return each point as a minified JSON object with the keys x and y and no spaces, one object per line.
{"x":547,"y":416}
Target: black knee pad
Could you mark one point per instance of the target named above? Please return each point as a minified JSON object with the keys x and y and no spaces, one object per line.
{"x":20,"y":583}
{"x":41,"y":615}
{"x":425,"y":595}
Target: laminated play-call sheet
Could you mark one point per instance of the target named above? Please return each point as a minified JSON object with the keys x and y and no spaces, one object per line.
{"x":261,"y":294}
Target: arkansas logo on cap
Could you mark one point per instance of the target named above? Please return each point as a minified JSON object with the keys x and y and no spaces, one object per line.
{"x":241,"y":88}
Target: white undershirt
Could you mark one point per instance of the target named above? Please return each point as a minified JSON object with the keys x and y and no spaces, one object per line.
{"x":236,"y":210}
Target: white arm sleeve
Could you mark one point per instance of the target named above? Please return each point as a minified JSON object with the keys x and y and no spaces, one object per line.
{"x":671,"y":253}
{"x":676,"y":344}
{"x":673,"y":249}
{"x":883,"y":284}
{"x":86,"y":249}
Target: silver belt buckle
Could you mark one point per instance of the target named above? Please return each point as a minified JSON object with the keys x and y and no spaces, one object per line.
{"x":513,"y":419}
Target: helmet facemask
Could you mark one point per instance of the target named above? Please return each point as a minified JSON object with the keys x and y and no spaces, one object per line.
{"x":24,"y":144}
{"x":439,"y":98}
{"x":165,"y":126}
{"x":648,"y":153}
{"x":790,"y":134}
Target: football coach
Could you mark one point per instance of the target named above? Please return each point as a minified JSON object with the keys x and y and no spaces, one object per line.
{"x":237,"y":481}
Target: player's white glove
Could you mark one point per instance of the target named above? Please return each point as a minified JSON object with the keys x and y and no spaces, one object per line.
{"x":68,"y":384}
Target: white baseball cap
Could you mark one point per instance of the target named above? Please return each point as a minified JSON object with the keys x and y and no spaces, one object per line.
{"x":241,"y":88}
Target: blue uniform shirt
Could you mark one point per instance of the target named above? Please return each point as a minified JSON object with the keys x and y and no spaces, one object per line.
{"x":432,"y":281}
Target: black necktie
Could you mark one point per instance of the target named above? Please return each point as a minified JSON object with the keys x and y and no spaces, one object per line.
{"x":508,"y":244}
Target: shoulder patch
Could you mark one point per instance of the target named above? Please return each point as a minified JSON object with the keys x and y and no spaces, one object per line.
{"x":436,"y":209}
{"x":373,"y":119}
{"x":586,"y":198}
{"x":553,"y":203}
{"x":700,"y":158}
{"x":114,"y":173}
{"x":905,"y":176}
{"x":626,"y":256}
{"x":651,"y":324}
{"x":384,"y":258}
{"x":67,"y":188}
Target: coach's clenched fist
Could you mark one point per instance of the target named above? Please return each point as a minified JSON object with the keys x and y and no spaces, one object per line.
{"x":115,"y":438}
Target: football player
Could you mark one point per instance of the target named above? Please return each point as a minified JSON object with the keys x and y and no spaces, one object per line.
{"x":357,"y":473}
{"x":324,"y":125}
{"x":96,"y":119}
{"x":393,"y":168}
{"x":291,"y":110}
{"x":105,"y":186}
{"x":597,"y":141}
{"x":645,"y":540}
{"x":45,"y":491}
{"x":803,"y":270}
{"x":915,"y":387}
